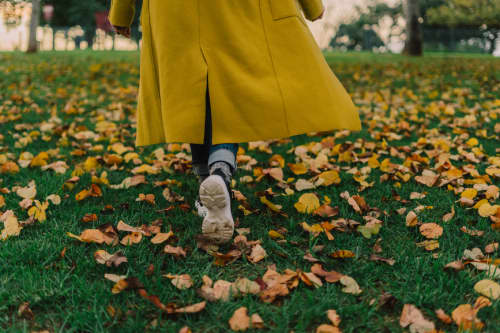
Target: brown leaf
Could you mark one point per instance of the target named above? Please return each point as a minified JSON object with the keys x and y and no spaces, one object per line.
{"x":375,"y":257}
{"x":491,"y":248}
{"x":182,"y":281}
{"x":431,"y":230}
{"x":258,"y":253}
{"x":177,"y":251}
{"x":310,"y":279}
{"x":443,"y":316}
{"x":132,"y":238}
{"x":333,"y":317}
{"x":87,"y":218}
{"x":465,"y":317}
{"x":351,"y":286}
{"x":240,"y":320}
{"x":161,"y":237}
{"x":194,"y":308}
{"x":324,"y":328}
{"x":331,"y":276}
{"x":411,"y":316}
{"x":447,"y":217}
{"x":256,"y":321}
{"x":472,"y":232}
{"x":103,"y":257}
{"x":411,"y":219}
{"x":428,"y":178}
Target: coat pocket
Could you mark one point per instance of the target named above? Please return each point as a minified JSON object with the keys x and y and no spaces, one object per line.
{"x":281,"y":9}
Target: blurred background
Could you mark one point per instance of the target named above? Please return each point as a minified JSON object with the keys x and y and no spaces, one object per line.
{"x":395,"y":26}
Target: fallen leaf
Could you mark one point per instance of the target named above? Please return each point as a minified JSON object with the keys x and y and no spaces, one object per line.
{"x":443,"y":316}
{"x":411,"y":316}
{"x":240,"y":320}
{"x":161,"y":237}
{"x":177,"y":251}
{"x":182,"y":281}
{"x":103,"y":257}
{"x":330,"y":276}
{"x":308,"y":203}
{"x":324,"y":328}
{"x":132,"y":238}
{"x":488,"y":288}
{"x":342,"y":254}
{"x":333,"y":317}
{"x":465,"y":317}
{"x":431,"y":230}
{"x":351,"y":286}
{"x":258,"y":253}
{"x":411,"y":219}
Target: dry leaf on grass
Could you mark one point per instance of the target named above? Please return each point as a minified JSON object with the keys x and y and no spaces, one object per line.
{"x":161,"y":237}
{"x":465,"y":317}
{"x":308,"y":203}
{"x":132,"y":238}
{"x":240,"y":320}
{"x":102,"y":257}
{"x":258,"y":253}
{"x":488,"y":288}
{"x":431,"y":230}
{"x":443,"y":316}
{"x":351,"y":286}
{"x":177,"y":251}
{"x":333,"y":317}
{"x":182,"y":281}
{"x":411,"y":316}
{"x":324,"y":328}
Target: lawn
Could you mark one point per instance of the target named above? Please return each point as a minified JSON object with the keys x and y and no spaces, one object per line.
{"x":384,"y":210}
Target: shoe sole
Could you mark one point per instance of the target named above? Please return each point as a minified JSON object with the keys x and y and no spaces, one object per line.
{"x":218,"y":224}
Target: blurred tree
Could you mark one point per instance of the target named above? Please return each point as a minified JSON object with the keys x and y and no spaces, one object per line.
{"x":362,"y":34}
{"x":413,"y":43}
{"x":69,"y":13}
{"x":437,"y":34}
{"x":479,"y":15}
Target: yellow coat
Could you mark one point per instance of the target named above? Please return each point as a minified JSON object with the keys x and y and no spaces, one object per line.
{"x":266,"y":75}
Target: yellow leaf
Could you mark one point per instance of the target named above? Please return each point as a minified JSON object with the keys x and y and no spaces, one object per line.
{"x":308,"y":203}
{"x":82,"y":195}
{"x":469,"y":193}
{"x":373,"y":162}
{"x":11,"y":228}
{"x":273,"y":207}
{"x":487,"y":210}
{"x":275,"y":235}
{"x":342,"y":254}
{"x":298,"y":169}
{"x":329,"y":178}
{"x":488,"y":288}
{"x":429,"y":245}
{"x":90,"y":164}
{"x":40,"y":159}
{"x":472,"y":142}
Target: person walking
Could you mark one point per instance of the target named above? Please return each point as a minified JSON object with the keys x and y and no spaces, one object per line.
{"x":216,"y":73}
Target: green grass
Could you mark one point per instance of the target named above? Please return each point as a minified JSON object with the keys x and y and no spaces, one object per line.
{"x":70,"y":294}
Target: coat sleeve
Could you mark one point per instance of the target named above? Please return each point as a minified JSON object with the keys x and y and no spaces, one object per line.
{"x":312,"y":8}
{"x":122,"y":13}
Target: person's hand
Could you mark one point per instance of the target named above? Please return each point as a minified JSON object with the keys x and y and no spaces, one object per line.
{"x":124,"y":31}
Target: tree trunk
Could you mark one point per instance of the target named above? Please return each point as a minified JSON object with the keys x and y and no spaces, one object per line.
{"x":413,"y":45}
{"x":35,"y":20}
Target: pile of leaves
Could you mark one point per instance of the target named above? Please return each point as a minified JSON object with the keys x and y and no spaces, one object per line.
{"x":392,"y":228}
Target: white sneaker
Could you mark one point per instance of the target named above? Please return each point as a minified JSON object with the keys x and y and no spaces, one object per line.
{"x":200,"y":209}
{"x":218,"y":224}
